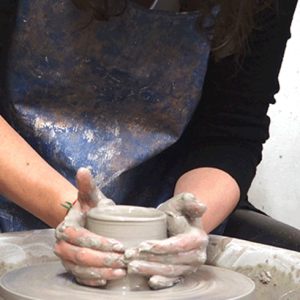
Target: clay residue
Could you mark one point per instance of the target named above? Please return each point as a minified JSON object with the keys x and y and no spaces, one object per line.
{"x":30,"y":260}
{"x":271,"y":283}
{"x":265,"y":277}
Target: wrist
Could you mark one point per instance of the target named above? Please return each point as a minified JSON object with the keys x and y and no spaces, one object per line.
{"x":63,"y":204}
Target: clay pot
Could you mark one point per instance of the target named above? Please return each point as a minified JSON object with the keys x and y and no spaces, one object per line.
{"x":130,"y":225}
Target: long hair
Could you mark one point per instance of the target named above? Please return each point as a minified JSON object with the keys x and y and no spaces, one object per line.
{"x":233,"y":24}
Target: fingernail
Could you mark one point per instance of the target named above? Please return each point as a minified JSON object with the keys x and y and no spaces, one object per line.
{"x":102,"y":282}
{"x":118,"y":248}
{"x":119,"y":272}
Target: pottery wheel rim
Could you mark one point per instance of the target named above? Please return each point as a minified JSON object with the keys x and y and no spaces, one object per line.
{"x":50,"y":281}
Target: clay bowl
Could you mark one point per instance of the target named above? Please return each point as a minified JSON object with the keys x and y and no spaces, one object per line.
{"x":130,"y":225}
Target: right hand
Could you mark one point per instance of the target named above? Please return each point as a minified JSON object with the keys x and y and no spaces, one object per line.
{"x":166,"y":261}
{"x":91,"y":258}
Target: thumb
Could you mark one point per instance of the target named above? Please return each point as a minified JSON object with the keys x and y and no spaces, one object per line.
{"x":88,"y":193}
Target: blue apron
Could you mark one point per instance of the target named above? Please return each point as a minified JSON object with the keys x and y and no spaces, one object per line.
{"x":110,"y":95}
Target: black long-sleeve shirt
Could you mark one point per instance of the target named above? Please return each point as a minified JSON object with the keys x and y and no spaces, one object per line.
{"x":232,"y":119}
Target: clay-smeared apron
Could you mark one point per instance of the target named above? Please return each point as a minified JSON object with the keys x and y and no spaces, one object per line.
{"x":110,"y":95}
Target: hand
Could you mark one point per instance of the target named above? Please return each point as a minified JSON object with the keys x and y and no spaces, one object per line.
{"x":91,"y":258}
{"x":166,"y":261}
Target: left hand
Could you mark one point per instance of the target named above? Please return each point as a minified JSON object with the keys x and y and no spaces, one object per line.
{"x":166,"y":261}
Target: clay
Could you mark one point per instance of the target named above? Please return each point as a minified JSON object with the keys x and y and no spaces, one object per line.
{"x":277,"y":282}
{"x":265,"y":277}
{"x":26,"y":248}
{"x":184,"y":217}
{"x":130,"y":225}
{"x":50,"y":281}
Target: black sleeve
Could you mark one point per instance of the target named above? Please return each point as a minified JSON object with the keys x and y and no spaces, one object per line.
{"x":8,"y":10}
{"x":231,"y":122}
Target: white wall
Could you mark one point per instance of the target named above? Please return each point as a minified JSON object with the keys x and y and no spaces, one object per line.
{"x":276,"y":187}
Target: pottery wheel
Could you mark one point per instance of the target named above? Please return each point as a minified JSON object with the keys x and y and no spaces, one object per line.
{"x":50,"y":281}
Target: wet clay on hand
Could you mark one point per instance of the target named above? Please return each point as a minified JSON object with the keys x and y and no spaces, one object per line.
{"x":91,"y":258}
{"x":131,"y":225}
{"x":167,"y":261}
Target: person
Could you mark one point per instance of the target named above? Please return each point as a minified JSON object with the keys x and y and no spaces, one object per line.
{"x":122,"y":95}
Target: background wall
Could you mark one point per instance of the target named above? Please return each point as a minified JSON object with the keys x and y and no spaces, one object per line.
{"x":276,"y":187}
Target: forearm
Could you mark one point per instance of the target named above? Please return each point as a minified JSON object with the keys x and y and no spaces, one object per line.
{"x":29,"y":181}
{"x":214,"y":188}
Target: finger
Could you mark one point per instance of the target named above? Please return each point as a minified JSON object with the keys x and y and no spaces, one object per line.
{"x":159,"y":282}
{"x":87,"y":189}
{"x":146,"y":268}
{"x":184,"y":204}
{"x":180,"y":224}
{"x":191,"y":206}
{"x":85,"y":238}
{"x":88,"y":257}
{"x":193,"y":257}
{"x":94,"y":273}
{"x":193,"y":239}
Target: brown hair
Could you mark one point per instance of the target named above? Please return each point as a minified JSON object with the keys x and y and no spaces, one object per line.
{"x":233,"y":24}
